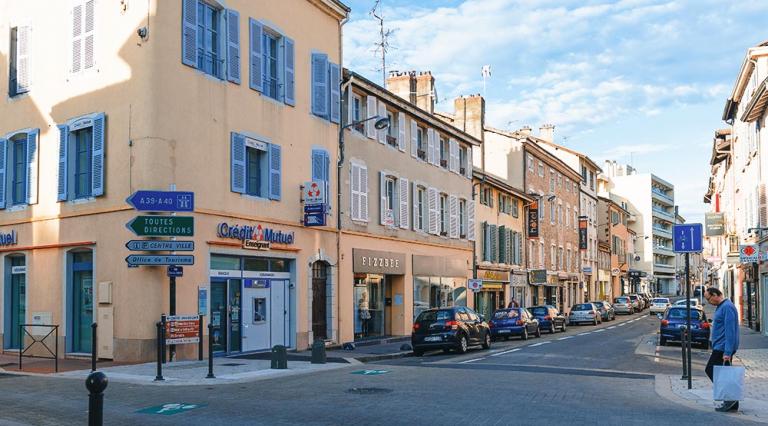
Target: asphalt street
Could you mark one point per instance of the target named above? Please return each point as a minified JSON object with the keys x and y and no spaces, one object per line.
{"x":588,"y":375}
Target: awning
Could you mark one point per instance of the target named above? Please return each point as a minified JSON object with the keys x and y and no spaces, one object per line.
{"x":756,"y":106}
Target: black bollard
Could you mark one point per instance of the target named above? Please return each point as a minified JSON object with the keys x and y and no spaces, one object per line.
{"x":200,"y":336}
{"x":94,"y":346}
{"x":159,"y":375}
{"x":279,"y":358}
{"x":96,"y":383}
{"x":318,"y":352}
{"x":210,"y":353}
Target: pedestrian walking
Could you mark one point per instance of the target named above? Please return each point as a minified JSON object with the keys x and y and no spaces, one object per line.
{"x":513,"y":303}
{"x":725,"y":337}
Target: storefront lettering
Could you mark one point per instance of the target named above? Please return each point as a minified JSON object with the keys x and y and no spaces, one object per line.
{"x":254,"y":233}
{"x":380,"y":262}
{"x":9,"y":238}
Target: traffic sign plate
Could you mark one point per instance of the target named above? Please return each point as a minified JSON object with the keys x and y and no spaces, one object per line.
{"x":175,"y":271}
{"x":687,"y":238}
{"x":314,"y":219}
{"x":162,"y":201}
{"x":139,"y":259}
{"x":162,"y":226}
{"x":160,"y":245}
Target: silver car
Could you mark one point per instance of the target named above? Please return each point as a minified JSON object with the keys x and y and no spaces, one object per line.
{"x":623,"y":305}
{"x":584,"y":313}
{"x":659,"y":305}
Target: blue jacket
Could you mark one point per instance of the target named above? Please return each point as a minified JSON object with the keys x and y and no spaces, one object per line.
{"x":725,"y":328}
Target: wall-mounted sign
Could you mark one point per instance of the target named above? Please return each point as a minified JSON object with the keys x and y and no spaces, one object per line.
{"x":587,"y":269}
{"x":160,"y":245}
{"x":9,"y":238}
{"x":615,"y":272}
{"x":314,"y":192}
{"x":488,"y":275}
{"x":533,"y":220}
{"x":475,"y":285}
{"x":378,"y":262}
{"x":583,"y":233}
{"x":162,"y":226}
{"x":162,"y":201}
{"x":537,"y":276}
{"x":160,"y":259}
{"x":256,"y":245}
{"x":256,"y":233}
{"x":714,"y":224}
{"x":750,"y":253}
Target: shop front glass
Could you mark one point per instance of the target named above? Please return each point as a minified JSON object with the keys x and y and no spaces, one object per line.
{"x":369,"y":296}
{"x":438,"y":292}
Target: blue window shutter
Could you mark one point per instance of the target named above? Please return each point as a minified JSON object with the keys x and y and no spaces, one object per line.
{"x":32,"y":138}
{"x":189,"y":33}
{"x":274,"y":172}
{"x":326,"y":166}
{"x":237,"y":163}
{"x":290,"y":71}
{"x":334,"y":81}
{"x":318,"y":166}
{"x":320,"y":84}
{"x":3,"y":170}
{"x":63,"y":148}
{"x":97,"y":164}
{"x":256,"y":79}
{"x":233,"y":46}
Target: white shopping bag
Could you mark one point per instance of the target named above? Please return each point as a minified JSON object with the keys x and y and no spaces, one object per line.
{"x":729,"y":383}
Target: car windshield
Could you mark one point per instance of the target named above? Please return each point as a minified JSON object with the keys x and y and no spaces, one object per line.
{"x":539,"y":311}
{"x":680,"y":313}
{"x":598,"y":304}
{"x":633,"y":297}
{"x":694,"y":302}
{"x":662,"y":300}
{"x":583,"y":307}
{"x":620,"y":300}
{"x":432,"y":316}
{"x":504,"y":313}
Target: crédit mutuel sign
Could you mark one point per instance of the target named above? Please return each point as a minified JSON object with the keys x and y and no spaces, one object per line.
{"x":254,"y":237}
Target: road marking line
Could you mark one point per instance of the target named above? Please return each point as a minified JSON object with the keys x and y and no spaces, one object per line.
{"x":622,"y":324}
{"x":584,"y":334}
{"x":566,"y":337}
{"x":599,"y":331}
{"x":471,"y":360}
{"x":506,"y":352}
{"x":539,"y":344}
{"x":611,"y":327}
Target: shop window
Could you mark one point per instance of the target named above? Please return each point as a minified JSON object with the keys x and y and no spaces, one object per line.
{"x":229,"y":263}
{"x":255,"y":264}
{"x":279,"y":265}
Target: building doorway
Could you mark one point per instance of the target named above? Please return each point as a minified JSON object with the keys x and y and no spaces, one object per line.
{"x":16,"y":300}
{"x":225,"y":315}
{"x":82,"y":301}
{"x":320,"y":300}
{"x":369,"y":299}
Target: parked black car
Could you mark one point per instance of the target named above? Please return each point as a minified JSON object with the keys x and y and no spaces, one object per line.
{"x":449,"y":328}
{"x":549,"y":318}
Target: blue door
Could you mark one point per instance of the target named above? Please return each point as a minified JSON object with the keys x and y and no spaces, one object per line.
{"x":82,"y":301}
{"x":18,"y":300}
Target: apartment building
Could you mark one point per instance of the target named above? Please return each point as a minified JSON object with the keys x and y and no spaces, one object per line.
{"x":613,"y":230}
{"x":234,"y":102}
{"x":407,"y":216}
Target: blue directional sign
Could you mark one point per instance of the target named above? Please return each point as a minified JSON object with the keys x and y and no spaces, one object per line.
{"x":688,"y":238}
{"x":175,"y":271}
{"x":162,"y":201}
{"x":314,"y":219}
{"x":169,"y":259}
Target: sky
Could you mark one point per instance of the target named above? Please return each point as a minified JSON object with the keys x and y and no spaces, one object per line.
{"x":641,"y":82}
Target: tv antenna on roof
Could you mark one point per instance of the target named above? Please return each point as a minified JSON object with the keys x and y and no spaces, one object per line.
{"x":382,"y":46}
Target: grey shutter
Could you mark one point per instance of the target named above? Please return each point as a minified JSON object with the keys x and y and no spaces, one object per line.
{"x":471,"y":220}
{"x":237,"y":163}
{"x":431,"y":146}
{"x":414,"y":139}
{"x":335,"y":92}
{"x":469,"y":163}
{"x":290,"y":71}
{"x":233,"y":46}
{"x":486,"y":242}
{"x":98,"y":149}
{"x":453,"y":218}
{"x":275,"y":170}
{"x":32,"y":165}
{"x":3,"y":170}
{"x":62,"y":172}
{"x":89,"y":52}
{"x":320,"y":84}
{"x":370,"y":110}
{"x":434,"y":212}
{"x":401,"y":131}
{"x":354,"y":184}
{"x":382,"y":134}
{"x":255,"y":77}
{"x":77,"y":38}
{"x":494,"y":243}
{"x":364,"y":193}
{"x":382,"y":197}
{"x":350,"y":105}
{"x":453,"y":157}
{"x":415,"y":202}
{"x":22,"y":71}
{"x":503,"y":245}
{"x":189,"y":33}
{"x":403,"y":196}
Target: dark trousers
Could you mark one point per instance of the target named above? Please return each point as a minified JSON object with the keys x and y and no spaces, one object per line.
{"x":715,"y":359}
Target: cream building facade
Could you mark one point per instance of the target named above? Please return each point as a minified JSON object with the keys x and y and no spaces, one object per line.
{"x":107,"y":98}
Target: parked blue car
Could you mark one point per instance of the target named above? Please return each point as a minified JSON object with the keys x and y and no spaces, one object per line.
{"x":674,"y":321}
{"x":549,"y":318}
{"x":509,"y":322}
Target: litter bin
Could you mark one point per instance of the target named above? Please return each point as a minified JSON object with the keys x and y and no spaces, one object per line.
{"x":279,"y":357}
{"x":318,"y":352}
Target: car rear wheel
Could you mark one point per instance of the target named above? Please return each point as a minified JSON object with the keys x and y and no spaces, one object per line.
{"x":538,"y":331}
{"x":487,"y":341}
{"x":562,"y":327}
{"x":462,"y":345}
{"x":524,"y":336}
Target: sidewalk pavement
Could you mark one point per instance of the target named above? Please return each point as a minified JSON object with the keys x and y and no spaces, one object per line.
{"x":374,"y":350}
{"x":753,"y":355}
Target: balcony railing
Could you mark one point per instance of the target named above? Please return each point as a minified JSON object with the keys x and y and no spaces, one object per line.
{"x":662,"y":194}
{"x":392,"y":141}
{"x":664,"y":213}
{"x":662,"y":230}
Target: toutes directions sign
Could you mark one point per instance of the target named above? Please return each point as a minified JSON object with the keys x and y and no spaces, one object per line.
{"x":162,"y":226}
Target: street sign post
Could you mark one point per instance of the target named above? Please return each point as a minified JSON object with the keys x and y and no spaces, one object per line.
{"x":475,"y":284}
{"x":160,"y":260}
{"x":160,"y":245}
{"x":175,"y":271}
{"x":162,"y":226}
{"x":162,"y":201}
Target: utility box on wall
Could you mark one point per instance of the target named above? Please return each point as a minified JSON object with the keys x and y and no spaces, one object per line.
{"x":106,"y":321}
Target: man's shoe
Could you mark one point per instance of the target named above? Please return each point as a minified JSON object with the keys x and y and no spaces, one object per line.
{"x":728,"y":406}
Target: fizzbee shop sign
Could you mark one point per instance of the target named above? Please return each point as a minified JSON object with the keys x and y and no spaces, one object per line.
{"x":257,"y":237}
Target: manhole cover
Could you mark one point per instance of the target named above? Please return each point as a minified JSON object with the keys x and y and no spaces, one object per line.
{"x":231,"y":364}
{"x":368,"y":391}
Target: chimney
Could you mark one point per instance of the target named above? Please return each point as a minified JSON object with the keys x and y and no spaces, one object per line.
{"x":403,"y":84}
{"x":525,"y":130}
{"x":425,"y":91}
{"x":469,"y":115}
{"x":547,"y":132}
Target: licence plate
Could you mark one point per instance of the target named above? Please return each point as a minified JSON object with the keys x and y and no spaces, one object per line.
{"x":503,"y":331}
{"x":433,"y":339}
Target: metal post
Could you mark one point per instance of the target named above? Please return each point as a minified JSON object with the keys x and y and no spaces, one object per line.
{"x":210,"y":353}
{"x":749,"y":303}
{"x":688,"y":316}
{"x":56,"y":347}
{"x":21,"y":343}
{"x":682,"y":351}
{"x":159,"y":375}
{"x":162,"y":340}
{"x":96,"y":383}
{"x":200,"y":336}
{"x":173,"y":312}
{"x":94,"y":346}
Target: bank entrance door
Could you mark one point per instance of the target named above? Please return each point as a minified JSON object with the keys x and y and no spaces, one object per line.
{"x":265,"y":313}
{"x":16,"y":304}
{"x":225,"y":315}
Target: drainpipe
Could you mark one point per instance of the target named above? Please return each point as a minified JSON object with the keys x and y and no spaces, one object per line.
{"x":338,"y":178}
